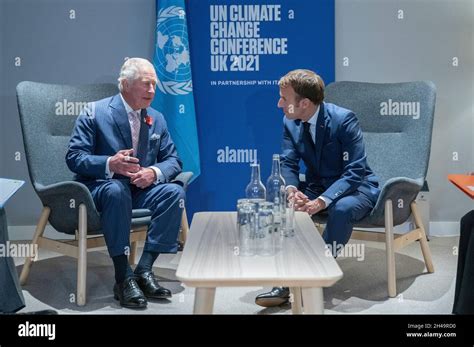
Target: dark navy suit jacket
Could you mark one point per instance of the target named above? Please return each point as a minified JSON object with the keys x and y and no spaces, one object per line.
{"x":103,"y":129}
{"x":338,"y":166}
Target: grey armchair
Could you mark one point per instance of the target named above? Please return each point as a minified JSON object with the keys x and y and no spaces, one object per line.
{"x":47,"y":116}
{"x":397,"y":121}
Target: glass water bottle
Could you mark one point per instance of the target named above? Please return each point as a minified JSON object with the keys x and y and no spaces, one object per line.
{"x":276,"y":190}
{"x":255,"y":189}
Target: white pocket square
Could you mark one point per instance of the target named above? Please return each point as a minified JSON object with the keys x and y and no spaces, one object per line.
{"x":154,"y":137}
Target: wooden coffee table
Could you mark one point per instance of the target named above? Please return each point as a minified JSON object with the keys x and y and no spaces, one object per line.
{"x":210,"y":259}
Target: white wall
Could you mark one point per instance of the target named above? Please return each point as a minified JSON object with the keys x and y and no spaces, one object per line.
{"x":421,"y":46}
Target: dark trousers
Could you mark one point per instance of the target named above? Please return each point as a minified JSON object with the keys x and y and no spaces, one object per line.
{"x":342,"y":214}
{"x":464,"y":293}
{"x":115,"y":199}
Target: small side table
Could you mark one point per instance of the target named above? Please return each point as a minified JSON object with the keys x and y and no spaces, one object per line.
{"x":11,"y":296}
{"x":464,"y":182}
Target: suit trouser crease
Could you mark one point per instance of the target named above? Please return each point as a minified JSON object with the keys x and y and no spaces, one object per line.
{"x":342,"y":214}
{"x":115,"y":199}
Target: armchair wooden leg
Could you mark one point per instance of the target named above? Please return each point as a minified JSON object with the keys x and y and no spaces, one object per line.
{"x":392,"y":280}
{"x":25,"y":271}
{"x":320,"y":228}
{"x":133,"y":252}
{"x":425,"y":249}
{"x":82,"y":256}
{"x":184,"y":227}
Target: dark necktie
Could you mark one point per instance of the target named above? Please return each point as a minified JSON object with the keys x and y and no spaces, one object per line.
{"x":307,"y":137}
{"x":309,"y":147}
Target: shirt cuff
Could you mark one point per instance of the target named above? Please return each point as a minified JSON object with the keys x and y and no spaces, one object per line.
{"x":326,"y":200}
{"x":108,"y":173}
{"x":159,"y":175}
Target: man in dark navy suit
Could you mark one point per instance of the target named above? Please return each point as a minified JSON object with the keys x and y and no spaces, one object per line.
{"x":464,"y":293}
{"x":328,"y":139}
{"x":122,"y":151}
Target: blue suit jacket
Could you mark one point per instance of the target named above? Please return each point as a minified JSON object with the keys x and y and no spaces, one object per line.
{"x":338,"y":137}
{"x":103,"y":129}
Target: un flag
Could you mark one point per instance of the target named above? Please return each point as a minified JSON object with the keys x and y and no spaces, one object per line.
{"x":174,"y":95}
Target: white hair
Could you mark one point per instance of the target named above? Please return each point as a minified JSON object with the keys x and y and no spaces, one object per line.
{"x":131,"y":69}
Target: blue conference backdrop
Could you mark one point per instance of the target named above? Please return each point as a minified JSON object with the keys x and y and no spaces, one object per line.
{"x":238,"y":51}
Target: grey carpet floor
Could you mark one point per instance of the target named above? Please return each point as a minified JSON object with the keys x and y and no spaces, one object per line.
{"x":362,"y":290}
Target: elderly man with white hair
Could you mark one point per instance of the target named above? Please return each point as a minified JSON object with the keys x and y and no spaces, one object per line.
{"x":122,"y":151}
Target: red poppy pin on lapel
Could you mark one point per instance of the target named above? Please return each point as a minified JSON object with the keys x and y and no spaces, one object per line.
{"x":148,"y":120}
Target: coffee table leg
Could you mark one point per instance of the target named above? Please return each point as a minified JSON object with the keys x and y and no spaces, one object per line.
{"x":296,"y":306}
{"x":313,"y":300}
{"x":204,"y":300}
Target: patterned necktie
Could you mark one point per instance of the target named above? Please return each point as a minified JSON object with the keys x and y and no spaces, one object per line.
{"x":135,"y":127}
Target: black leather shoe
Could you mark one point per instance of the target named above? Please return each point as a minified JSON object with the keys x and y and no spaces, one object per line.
{"x":129,"y":294}
{"x":277,"y":296}
{"x":150,"y":286}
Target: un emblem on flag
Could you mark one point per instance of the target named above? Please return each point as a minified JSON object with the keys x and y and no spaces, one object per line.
{"x":172,"y":62}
